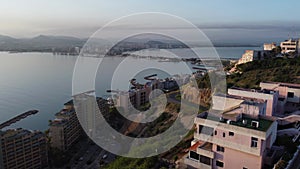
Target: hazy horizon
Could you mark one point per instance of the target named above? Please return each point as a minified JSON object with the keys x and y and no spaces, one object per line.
{"x":25,"y":19}
{"x":233,"y":33}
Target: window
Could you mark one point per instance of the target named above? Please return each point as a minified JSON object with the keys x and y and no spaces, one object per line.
{"x":216,"y":132}
{"x":290,"y":94}
{"x":220,"y":149}
{"x":231,"y":133}
{"x":224,"y":134}
{"x":245,"y":168}
{"x":254,"y":142}
{"x":194,"y":155}
{"x":205,"y":160}
{"x":220,"y":164}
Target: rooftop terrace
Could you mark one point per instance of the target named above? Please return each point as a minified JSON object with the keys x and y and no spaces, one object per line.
{"x":243,"y":120}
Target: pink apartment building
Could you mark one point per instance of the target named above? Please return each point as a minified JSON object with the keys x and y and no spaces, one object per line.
{"x":235,"y":133}
{"x":270,"y":96}
{"x":288,"y":93}
{"x":243,"y":142}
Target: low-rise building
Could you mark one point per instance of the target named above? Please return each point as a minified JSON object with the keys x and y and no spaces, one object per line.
{"x":20,"y":148}
{"x":270,"y":96}
{"x":269,"y":46}
{"x":288,"y":93}
{"x":251,"y":55}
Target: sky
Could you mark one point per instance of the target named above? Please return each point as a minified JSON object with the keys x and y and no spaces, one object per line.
{"x":80,"y":18}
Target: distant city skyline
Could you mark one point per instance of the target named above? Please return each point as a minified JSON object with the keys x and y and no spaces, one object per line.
{"x":30,"y":18}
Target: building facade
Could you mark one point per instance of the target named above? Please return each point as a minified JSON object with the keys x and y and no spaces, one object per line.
{"x":250,"y":55}
{"x":291,"y":45}
{"x":22,"y":148}
{"x":65,"y":129}
{"x":287,"y":91}
{"x":241,"y":142}
{"x":288,"y":94}
{"x":269,"y":46}
{"x":270,"y":96}
{"x":233,"y":105}
{"x":137,"y":96}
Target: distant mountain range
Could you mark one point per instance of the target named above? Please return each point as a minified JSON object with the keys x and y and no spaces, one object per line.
{"x":66,"y":44}
{"x":40,"y":43}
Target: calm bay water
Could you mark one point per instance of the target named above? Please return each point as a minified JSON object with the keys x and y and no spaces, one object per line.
{"x":43,"y":81}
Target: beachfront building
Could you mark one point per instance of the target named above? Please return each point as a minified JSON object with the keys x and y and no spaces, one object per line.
{"x":288,"y":46}
{"x":250,"y":55}
{"x":90,"y":109}
{"x":269,"y":46}
{"x":20,"y":148}
{"x":138,"y":95}
{"x":134,"y":98}
{"x":270,"y":96}
{"x":65,"y":129}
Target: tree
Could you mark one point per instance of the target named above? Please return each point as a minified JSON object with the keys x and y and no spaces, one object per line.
{"x":277,"y":50}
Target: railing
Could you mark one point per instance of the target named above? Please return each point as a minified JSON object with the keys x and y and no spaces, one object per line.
{"x":196,"y":164}
{"x":206,"y":150}
{"x":224,"y":143}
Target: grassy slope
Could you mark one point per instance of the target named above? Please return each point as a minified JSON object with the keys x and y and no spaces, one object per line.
{"x":277,"y":70}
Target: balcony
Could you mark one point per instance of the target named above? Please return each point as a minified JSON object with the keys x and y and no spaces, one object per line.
{"x":206,"y":150}
{"x":225,"y":143}
{"x":196,"y":163}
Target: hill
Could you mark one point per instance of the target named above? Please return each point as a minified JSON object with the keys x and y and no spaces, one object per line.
{"x":276,"y":69}
{"x":40,"y":43}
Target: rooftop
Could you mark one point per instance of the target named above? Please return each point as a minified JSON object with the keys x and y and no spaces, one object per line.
{"x":222,"y":102}
{"x":291,"y":40}
{"x":228,"y":103}
{"x":19,"y":132}
{"x":65,"y":112}
{"x":69,"y":103}
{"x":243,"y":120}
{"x":247,"y":100}
{"x":290,"y":85}
{"x":264,"y":91}
{"x":58,"y":122}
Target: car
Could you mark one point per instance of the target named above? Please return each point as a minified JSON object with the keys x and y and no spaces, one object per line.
{"x":104,"y":156}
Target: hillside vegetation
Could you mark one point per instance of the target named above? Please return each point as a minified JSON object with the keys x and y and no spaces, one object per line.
{"x":277,"y":70}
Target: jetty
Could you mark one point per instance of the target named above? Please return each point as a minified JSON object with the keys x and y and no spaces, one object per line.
{"x":18,"y":118}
